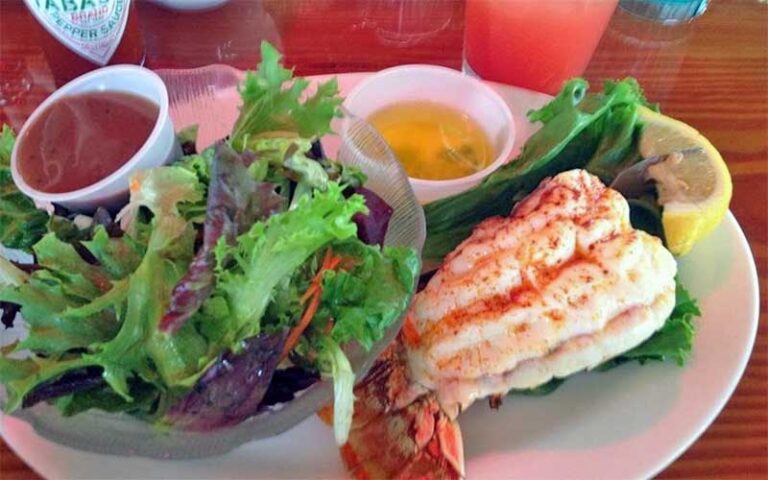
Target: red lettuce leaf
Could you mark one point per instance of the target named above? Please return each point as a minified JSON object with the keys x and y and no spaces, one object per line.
{"x":71,"y":382}
{"x":235,"y":202}
{"x":372,"y":228}
{"x":232,"y":389}
{"x":286,"y":383}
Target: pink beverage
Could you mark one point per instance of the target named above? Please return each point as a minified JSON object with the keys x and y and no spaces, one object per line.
{"x":535,"y":44}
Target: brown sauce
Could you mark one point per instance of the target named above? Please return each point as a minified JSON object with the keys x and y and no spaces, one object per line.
{"x":81,"y":139}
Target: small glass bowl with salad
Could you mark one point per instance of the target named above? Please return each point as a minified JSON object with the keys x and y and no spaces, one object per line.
{"x":241,"y":289}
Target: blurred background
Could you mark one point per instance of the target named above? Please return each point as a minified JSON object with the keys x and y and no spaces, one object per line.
{"x":353,"y":35}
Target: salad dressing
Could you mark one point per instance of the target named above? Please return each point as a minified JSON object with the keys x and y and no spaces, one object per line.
{"x":81,"y":139}
{"x":434,"y":141}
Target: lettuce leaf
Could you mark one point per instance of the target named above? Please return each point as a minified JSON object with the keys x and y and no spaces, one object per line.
{"x":56,"y":322}
{"x":248,"y":272}
{"x":235,"y":201}
{"x":187,"y":138}
{"x":369,"y":297}
{"x":10,"y":274}
{"x":68,"y":303}
{"x":105,"y":314}
{"x":21,"y":223}
{"x":199,"y":163}
{"x":372,"y":227}
{"x":71,"y":382}
{"x":232,"y":388}
{"x":616,"y":150}
{"x":542,"y":390}
{"x":286,"y":383}
{"x":163,"y":191}
{"x":271,"y":103}
{"x":21,"y":377}
{"x":333,"y":361}
{"x":7,"y":141}
{"x":78,"y":398}
{"x":139,"y":348}
{"x":118,"y":257}
{"x":64,"y":266}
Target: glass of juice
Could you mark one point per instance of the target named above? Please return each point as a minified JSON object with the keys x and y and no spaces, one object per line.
{"x":534,"y":44}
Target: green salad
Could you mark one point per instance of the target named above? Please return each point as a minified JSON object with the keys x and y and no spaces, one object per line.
{"x":232,"y":279}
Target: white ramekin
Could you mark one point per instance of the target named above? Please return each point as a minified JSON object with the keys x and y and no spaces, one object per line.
{"x":448,"y":87}
{"x":160,"y":148}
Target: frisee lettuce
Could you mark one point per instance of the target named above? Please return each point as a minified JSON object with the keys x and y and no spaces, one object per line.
{"x":368,"y":297}
{"x":248,"y":272}
{"x":272,"y":102}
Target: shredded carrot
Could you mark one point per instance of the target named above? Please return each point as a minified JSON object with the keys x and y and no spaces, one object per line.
{"x":329,"y":262}
{"x":309,"y":293}
{"x":293,"y":337}
{"x":333,"y":263}
{"x":326,"y":259}
{"x":313,"y":294}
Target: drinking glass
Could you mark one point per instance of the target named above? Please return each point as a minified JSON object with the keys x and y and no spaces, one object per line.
{"x":535,"y":44}
{"x":668,"y":12}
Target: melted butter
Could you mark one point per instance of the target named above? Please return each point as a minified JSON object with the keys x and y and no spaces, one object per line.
{"x":434,"y":141}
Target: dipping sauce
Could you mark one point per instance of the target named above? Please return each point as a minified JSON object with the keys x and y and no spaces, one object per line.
{"x":434,"y":141}
{"x":81,"y":139}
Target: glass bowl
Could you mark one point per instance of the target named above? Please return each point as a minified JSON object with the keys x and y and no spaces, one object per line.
{"x":208,"y":97}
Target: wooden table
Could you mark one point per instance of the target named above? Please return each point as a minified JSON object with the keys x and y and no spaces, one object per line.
{"x":712,"y":74}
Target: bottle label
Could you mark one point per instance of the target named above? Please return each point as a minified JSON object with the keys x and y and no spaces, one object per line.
{"x":90,"y":28}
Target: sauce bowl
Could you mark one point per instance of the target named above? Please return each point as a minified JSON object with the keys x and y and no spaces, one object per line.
{"x":160,"y":147}
{"x":448,"y":87}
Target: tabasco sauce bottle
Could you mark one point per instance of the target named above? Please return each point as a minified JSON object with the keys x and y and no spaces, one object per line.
{"x":82,"y":35}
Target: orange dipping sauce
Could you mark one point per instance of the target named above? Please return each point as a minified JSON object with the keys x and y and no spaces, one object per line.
{"x":82,"y":139}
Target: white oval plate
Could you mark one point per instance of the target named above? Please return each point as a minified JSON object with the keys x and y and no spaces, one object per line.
{"x":627,"y":423}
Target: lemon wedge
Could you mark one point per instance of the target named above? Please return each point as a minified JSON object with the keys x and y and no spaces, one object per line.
{"x":695,"y":188}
